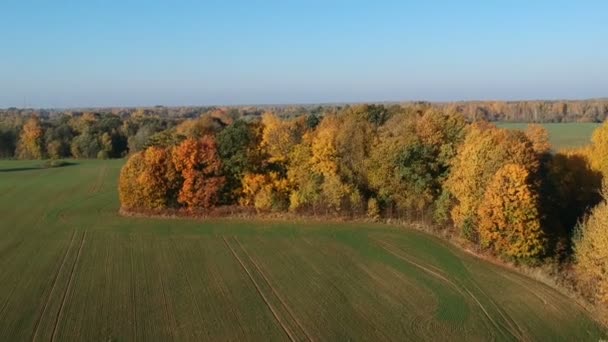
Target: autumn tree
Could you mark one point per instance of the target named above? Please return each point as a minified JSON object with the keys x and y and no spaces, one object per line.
{"x":149,"y":180}
{"x":591,"y":251}
{"x":539,"y":137}
{"x":509,"y":218}
{"x":130,"y":189}
{"x":484,"y":151}
{"x":337,"y":194}
{"x":200,"y":167}
{"x":306,"y":182}
{"x":31,"y":144}
{"x":598,"y":151}
{"x":280,"y":136}
{"x":265,"y":191}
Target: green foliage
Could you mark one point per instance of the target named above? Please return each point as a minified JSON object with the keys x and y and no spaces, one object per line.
{"x":238,"y":148}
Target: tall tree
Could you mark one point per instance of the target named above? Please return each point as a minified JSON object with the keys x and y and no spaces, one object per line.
{"x":31,"y":142}
{"x":484,"y":151}
{"x":200,"y":167}
{"x":509,"y":218}
{"x":591,"y":247}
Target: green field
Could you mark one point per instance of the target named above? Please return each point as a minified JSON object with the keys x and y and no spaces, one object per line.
{"x":71,"y":268}
{"x":562,"y":135}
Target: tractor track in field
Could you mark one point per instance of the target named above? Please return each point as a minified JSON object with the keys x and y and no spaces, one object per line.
{"x":259,"y":290}
{"x":274,"y":291}
{"x":190,"y":287}
{"x":99,"y":180}
{"x":68,"y":287}
{"x":338,"y":289}
{"x":515,"y":331}
{"x":50,"y":295}
{"x":170,"y":321}
{"x":438,"y":276}
{"x":133,"y":293}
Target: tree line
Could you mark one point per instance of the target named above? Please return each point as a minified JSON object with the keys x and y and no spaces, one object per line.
{"x":116,"y":132}
{"x":503,"y":191}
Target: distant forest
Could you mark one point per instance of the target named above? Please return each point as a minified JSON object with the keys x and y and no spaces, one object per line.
{"x":117,"y":132}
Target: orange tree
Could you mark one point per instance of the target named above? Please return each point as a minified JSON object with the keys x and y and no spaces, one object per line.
{"x":509,"y":219}
{"x":484,"y":151}
{"x":199,"y":164}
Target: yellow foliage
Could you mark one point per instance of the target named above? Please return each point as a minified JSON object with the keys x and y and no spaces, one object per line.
{"x":509,"y":221}
{"x":30,"y":140}
{"x":300,"y":175}
{"x":591,"y":249}
{"x":539,"y":137}
{"x":129,"y":187}
{"x":485,"y":150}
{"x":264,"y":191}
{"x":598,"y":151}
{"x":279,"y":137}
{"x":324,"y":150}
{"x":148,"y":180}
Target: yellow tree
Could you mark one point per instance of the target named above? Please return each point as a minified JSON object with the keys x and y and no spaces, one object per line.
{"x":598,"y":151}
{"x":130,"y":191}
{"x":304,"y":180}
{"x":265,"y":192}
{"x":539,"y":137}
{"x":484,"y":151}
{"x":279,"y":137}
{"x":159,"y":179}
{"x":591,"y":251}
{"x":31,"y":140}
{"x":509,"y":219}
{"x":326,"y":161}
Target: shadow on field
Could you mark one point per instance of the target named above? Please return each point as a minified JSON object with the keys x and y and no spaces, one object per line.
{"x":46,"y":165}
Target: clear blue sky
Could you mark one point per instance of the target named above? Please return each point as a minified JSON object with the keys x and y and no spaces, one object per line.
{"x":112,"y":53}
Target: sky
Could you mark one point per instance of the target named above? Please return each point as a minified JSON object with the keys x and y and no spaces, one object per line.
{"x":92,"y":53}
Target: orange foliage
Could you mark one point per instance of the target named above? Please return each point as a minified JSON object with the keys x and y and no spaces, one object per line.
{"x":485,"y":150}
{"x":198,"y":162}
{"x":509,"y":219}
{"x":264,"y":191}
{"x":30,"y":140}
{"x":539,"y":137}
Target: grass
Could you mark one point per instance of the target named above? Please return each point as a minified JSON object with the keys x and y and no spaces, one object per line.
{"x":71,"y":268}
{"x":562,"y":135}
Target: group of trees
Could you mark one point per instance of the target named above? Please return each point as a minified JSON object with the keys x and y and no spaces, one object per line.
{"x":90,"y":135}
{"x":116,"y":132}
{"x":503,"y":190}
{"x":532,"y":111}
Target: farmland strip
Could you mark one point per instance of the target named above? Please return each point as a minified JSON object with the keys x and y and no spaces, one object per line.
{"x":166,"y":305}
{"x":48,"y":298}
{"x":133,"y":294}
{"x":190,"y":287}
{"x":276,"y":293}
{"x":487,"y":314}
{"x":274,"y":313}
{"x":67,"y":290}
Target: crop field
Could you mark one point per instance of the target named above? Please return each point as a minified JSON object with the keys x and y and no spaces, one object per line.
{"x":562,"y":135}
{"x":71,"y":268}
